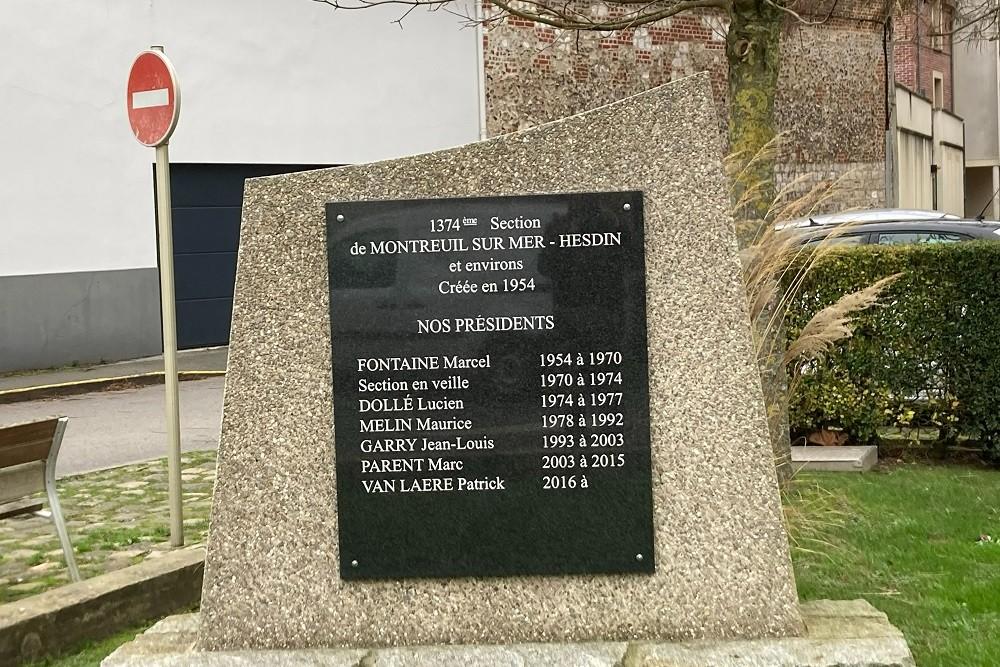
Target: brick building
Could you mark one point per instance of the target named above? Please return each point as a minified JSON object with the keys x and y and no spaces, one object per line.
{"x":930,"y":138}
{"x":923,"y":53}
{"x":831,"y":97}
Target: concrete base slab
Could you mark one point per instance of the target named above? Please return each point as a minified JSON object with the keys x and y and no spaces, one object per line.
{"x":837,"y":633}
{"x":835,"y":459}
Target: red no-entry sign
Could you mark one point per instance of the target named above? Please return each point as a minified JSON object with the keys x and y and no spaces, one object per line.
{"x":153,"y":98}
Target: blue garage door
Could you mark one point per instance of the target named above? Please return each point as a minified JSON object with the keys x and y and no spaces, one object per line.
{"x":207,"y":199}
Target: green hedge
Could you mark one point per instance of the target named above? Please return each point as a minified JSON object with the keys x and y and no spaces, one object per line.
{"x":929,"y":357}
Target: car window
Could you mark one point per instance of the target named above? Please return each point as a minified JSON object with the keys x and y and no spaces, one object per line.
{"x":901,"y":238}
{"x":847,"y":239}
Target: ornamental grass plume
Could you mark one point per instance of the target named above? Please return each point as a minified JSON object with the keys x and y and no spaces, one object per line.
{"x":831,"y":325}
{"x":775,"y":262}
{"x":813,"y":515}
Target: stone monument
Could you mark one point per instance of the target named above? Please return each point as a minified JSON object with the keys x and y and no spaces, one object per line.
{"x":617,"y":486}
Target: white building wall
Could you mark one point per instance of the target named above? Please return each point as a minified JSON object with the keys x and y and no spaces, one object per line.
{"x":931,"y":155}
{"x":263,"y":81}
{"x":949,"y":159}
{"x":977,"y":99}
{"x":951,"y":181}
{"x":915,"y":184}
{"x":914,"y":141}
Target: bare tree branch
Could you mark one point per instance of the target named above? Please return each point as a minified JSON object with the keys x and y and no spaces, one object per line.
{"x":801,"y":19}
{"x":972,"y":19}
{"x":565,"y":15}
{"x":572,"y":20}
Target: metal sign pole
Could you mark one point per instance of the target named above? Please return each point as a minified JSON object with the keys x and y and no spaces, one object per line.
{"x":164,"y":228}
{"x":153,"y":103}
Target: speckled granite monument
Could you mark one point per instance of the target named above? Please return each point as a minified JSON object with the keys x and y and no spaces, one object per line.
{"x":611,"y":502}
{"x":722,"y":562}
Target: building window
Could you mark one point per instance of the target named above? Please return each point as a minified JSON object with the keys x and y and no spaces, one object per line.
{"x":937,"y":25}
{"x":938,"y":91}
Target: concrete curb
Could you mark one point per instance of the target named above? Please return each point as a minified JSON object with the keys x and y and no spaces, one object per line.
{"x":63,"y":617}
{"x":97,"y":384}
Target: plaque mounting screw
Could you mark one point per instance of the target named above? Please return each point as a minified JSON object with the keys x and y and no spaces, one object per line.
{"x":340,"y":217}
{"x":354,"y":563}
{"x":628,"y":207}
{"x":638,"y":557}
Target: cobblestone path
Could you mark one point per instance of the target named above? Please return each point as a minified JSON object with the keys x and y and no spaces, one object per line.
{"x":115,"y":518}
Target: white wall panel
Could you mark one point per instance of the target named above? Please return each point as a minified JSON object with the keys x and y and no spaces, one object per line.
{"x":977,"y":98}
{"x":915,"y":184}
{"x":951,"y":181}
{"x":263,"y":81}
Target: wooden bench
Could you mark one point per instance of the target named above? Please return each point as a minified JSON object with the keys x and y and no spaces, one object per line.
{"x":28,"y":455}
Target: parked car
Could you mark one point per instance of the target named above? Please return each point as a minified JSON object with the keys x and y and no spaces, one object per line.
{"x":867,"y":215}
{"x":891,"y":227}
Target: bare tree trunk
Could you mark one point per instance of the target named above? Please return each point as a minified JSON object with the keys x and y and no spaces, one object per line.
{"x":753,"y":48}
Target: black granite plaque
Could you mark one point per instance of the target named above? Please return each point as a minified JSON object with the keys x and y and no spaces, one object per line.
{"x":490,"y":386}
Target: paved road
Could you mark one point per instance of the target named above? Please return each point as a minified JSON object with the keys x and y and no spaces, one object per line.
{"x":205,"y":359}
{"x":113,"y":428}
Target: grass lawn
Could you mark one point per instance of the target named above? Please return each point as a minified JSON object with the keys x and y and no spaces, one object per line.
{"x":91,"y":654}
{"x":908,"y":542}
{"x":906,"y":539}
